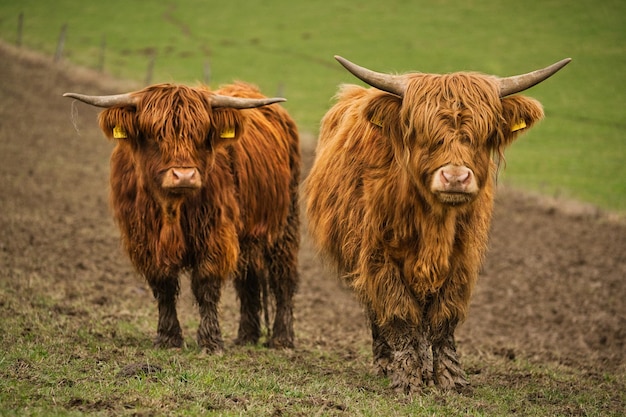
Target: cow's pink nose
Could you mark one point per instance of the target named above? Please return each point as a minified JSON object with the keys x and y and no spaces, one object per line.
{"x":181,"y":177}
{"x":456,"y":176}
{"x":183,"y":174}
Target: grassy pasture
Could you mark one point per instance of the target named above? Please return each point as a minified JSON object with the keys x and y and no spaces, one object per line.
{"x":69,"y":358}
{"x":286,"y":47}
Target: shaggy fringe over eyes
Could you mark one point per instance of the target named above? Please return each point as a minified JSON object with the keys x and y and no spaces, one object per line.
{"x":169,"y":111}
{"x":457,"y":97}
{"x":470,"y":102}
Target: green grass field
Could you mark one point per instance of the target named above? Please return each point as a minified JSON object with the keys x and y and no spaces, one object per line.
{"x":286,"y":47}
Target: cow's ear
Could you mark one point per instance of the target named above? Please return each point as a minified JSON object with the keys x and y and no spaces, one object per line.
{"x":226,"y":126}
{"x":383,"y":111}
{"x":118,"y":123}
{"x":520,"y":114}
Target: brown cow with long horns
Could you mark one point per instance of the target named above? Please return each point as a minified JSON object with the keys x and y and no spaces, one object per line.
{"x":207,"y":182}
{"x":400,"y":199}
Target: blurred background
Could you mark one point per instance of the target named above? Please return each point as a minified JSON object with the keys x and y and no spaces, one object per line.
{"x":286,"y":47}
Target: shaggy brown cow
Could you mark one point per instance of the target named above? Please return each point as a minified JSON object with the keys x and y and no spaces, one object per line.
{"x":207,"y":182}
{"x":400,"y":199}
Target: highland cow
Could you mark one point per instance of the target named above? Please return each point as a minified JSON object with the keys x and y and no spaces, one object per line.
{"x":400,"y":200}
{"x":207,"y":182}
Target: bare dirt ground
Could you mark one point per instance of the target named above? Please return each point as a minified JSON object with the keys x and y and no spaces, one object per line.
{"x":552,"y":289}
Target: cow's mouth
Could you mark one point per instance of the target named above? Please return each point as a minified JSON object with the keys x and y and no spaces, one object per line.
{"x":454,"y":198}
{"x":181,"y":190}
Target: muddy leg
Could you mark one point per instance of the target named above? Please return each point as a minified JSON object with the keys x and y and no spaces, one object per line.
{"x":247,"y":285}
{"x":381,"y":351}
{"x":425,"y":354}
{"x":448,"y":373}
{"x":283,"y":288}
{"x":443,"y":316}
{"x":283,"y":278}
{"x":207,"y":291}
{"x":407,"y":368}
{"x":169,"y":333}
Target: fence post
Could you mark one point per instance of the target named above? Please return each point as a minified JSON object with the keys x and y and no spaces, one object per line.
{"x":280,"y":90}
{"x":103,"y":46}
{"x":61,"y":44}
{"x":150,"y":70}
{"x":207,"y":72}
{"x":20,"y":28}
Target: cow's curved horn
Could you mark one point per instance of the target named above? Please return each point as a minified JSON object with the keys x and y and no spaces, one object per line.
{"x":128,"y":99}
{"x":394,"y":84}
{"x":117,"y":100}
{"x":517,"y":83}
{"x":241,"y":102}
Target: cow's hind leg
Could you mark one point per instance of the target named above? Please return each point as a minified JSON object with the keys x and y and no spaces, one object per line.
{"x":207,"y":291}
{"x":169,"y":333}
{"x":283,"y":282}
{"x":248,"y":287}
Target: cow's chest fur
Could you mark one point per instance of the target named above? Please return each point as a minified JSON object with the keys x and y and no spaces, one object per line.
{"x":163,"y":237}
{"x":426,"y":252}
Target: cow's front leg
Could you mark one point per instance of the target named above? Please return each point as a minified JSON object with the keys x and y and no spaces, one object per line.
{"x":448,"y":373}
{"x":381,"y":351}
{"x":444,"y":314}
{"x":207,"y":290}
{"x":169,"y":333}
{"x":407,"y":369}
{"x":447,"y":368}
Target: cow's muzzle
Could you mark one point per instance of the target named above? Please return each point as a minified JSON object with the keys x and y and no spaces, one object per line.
{"x":454,"y":184}
{"x":181,"y":179}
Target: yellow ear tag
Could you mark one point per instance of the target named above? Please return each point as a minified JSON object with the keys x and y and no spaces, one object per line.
{"x":518,"y":126}
{"x":377,"y":122}
{"x":119,"y":132}
{"x":228,"y":133}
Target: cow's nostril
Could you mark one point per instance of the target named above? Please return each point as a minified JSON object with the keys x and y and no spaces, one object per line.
{"x":456,"y":175}
{"x":182,"y":178}
{"x":183,"y":174}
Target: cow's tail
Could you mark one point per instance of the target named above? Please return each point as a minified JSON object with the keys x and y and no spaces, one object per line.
{"x":265,"y":289}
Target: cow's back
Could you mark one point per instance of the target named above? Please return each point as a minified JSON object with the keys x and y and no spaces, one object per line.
{"x":265,"y":163}
{"x":351,"y":159}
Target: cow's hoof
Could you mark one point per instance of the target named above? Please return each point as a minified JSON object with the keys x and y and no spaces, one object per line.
{"x":211,"y":346}
{"x":243,"y":340}
{"x":405,"y":373}
{"x":449,"y":374}
{"x":163,"y":341}
{"x":448,"y":381}
{"x":280,"y":343}
{"x":406,"y":384}
{"x":381,"y":366}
